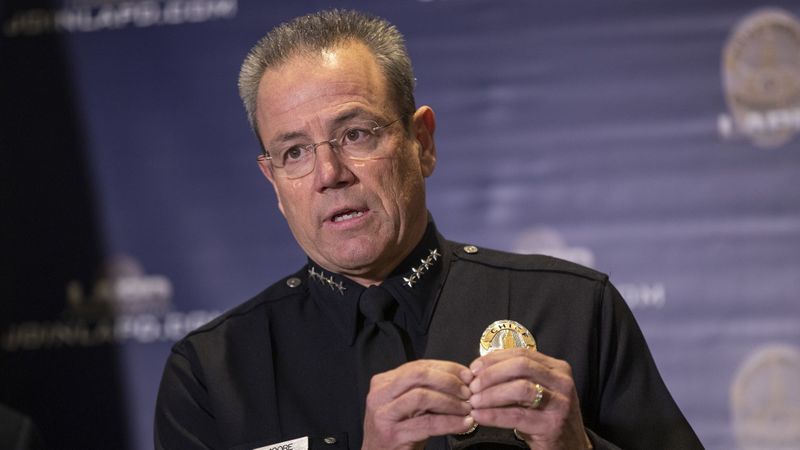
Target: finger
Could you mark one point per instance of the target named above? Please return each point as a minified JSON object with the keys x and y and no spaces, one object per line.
{"x":459,"y":370}
{"x":455,"y":369}
{"x":420,"y":428}
{"x":520,"y":392}
{"x":501,"y":355}
{"x":510,"y":369}
{"x":420,"y":401}
{"x":441,"y":376}
{"x":532,"y":422}
{"x":546,"y":427}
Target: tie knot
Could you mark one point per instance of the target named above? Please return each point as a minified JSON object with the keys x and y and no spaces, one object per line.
{"x":376,"y":304}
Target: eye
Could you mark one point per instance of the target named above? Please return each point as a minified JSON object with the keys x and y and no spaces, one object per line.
{"x":356,"y":136}
{"x":293,"y":154}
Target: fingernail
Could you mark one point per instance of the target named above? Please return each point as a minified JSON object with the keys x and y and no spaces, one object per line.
{"x":476,"y":398}
{"x":476,"y":366}
{"x":468,"y":421}
{"x":465,"y":392}
{"x":475,"y":386}
{"x":466,"y":375}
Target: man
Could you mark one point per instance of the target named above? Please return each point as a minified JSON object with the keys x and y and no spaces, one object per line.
{"x":373,"y":344}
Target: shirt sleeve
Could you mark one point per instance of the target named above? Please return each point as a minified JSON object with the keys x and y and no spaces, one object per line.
{"x":635,"y":408}
{"x":183,"y":418}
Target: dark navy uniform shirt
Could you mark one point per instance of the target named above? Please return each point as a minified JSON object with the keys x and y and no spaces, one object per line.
{"x":281,"y":366}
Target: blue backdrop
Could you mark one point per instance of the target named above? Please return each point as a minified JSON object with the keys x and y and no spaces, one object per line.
{"x":655,"y":142}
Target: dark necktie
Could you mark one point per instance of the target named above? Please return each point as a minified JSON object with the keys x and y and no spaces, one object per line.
{"x":379,"y":345}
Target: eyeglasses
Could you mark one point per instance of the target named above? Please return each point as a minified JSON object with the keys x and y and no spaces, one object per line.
{"x":359,"y":141}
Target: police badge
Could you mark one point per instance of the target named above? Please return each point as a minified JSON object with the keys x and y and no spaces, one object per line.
{"x":504,"y":334}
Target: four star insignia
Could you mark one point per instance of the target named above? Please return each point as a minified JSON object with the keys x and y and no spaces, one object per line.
{"x":410,"y":281}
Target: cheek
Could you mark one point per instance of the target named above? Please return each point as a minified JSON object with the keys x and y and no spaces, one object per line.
{"x":292,"y":203}
{"x":402,"y":183}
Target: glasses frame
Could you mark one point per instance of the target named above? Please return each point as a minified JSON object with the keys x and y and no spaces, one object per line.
{"x":337,"y":146}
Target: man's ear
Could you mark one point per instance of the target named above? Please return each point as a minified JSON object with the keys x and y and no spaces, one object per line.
{"x":423,"y":125}
{"x":266,"y":170}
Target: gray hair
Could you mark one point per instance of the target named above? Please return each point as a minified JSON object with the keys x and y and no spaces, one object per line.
{"x":325,"y":30}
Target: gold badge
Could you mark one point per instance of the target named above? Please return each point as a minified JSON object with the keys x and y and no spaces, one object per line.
{"x":505,"y":334}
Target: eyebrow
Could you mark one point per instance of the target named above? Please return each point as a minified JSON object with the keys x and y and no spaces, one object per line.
{"x":337,"y":121}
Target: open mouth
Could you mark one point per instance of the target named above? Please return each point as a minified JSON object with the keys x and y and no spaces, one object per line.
{"x":346,"y":215}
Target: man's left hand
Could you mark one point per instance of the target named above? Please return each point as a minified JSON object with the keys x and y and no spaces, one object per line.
{"x":504,"y":393}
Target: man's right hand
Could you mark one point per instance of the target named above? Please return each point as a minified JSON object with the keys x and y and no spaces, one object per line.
{"x":415,"y":401}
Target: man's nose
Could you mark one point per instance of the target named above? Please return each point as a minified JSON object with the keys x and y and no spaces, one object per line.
{"x":331,"y":169}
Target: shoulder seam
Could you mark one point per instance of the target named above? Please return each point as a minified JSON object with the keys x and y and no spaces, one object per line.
{"x":577,"y":270}
{"x":259,"y":300}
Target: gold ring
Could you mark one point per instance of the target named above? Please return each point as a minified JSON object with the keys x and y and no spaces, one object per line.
{"x":537,"y":401}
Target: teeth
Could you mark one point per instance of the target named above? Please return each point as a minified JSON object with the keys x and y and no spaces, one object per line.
{"x":347,"y":216}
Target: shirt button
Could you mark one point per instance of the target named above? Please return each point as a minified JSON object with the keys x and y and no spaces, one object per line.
{"x":471,"y":249}
{"x":330,"y":440}
{"x":293,"y":282}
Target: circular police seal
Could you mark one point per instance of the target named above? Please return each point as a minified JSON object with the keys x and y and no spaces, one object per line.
{"x":761,"y":77}
{"x":504,"y":334}
{"x":765,"y":399}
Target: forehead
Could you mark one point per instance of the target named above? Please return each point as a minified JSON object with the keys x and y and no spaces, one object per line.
{"x":313,"y":87}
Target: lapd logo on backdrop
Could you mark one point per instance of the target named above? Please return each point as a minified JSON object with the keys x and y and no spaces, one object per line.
{"x":548,"y":241}
{"x":765,"y":399}
{"x":80,"y":16}
{"x":761,"y":79}
{"x":123,"y":304}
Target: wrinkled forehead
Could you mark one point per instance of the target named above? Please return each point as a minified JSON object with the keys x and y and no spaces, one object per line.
{"x":316,"y":83}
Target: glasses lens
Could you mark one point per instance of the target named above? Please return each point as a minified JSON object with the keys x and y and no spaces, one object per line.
{"x":363,"y":141}
{"x":295,"y":161}
{"x":360,"y":141}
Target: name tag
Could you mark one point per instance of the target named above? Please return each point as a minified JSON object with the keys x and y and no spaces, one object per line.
{"x":294,"y":444}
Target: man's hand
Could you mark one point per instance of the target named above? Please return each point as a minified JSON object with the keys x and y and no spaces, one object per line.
{"x":504,"y":391}
{"x":415,"y":401}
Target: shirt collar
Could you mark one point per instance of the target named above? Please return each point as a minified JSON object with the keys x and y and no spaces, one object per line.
{"x":415,"y":283}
